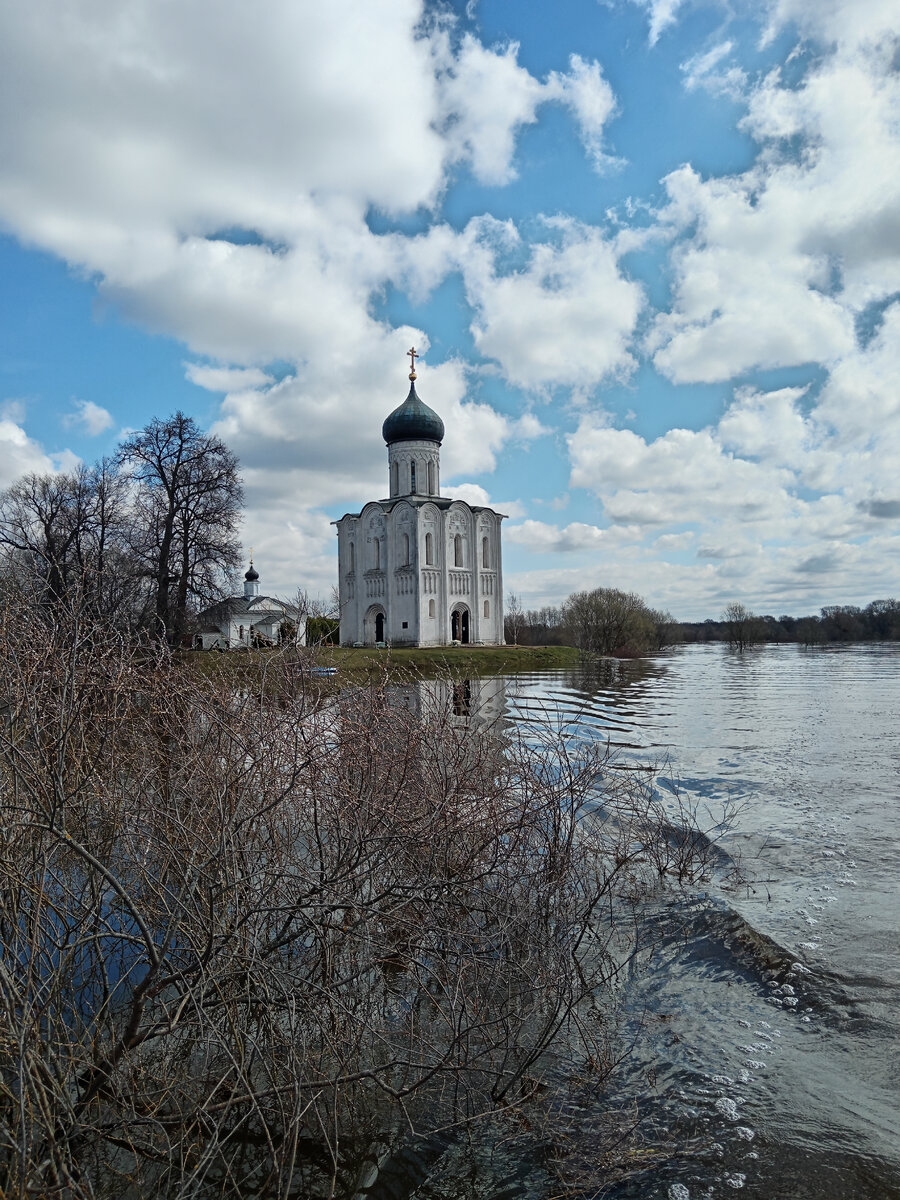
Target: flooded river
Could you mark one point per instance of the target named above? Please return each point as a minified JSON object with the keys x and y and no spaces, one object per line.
{"x":767,"y":1057}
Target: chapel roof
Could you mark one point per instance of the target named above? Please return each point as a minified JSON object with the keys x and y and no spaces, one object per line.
{"x":255,"y":606}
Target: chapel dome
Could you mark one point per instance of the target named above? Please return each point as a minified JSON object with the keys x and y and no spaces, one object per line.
{"x":252,"y":575}
{"x":413,"y":421}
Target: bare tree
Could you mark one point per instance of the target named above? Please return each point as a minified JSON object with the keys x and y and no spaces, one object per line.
{"x":743,"y":628}
{"x":609,"y":621}
{"x":512,"y":622}
{"x":188,"y":497}
{"x":65,"y":537}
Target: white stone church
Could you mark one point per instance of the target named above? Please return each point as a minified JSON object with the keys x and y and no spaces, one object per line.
{"x":419,"y":569}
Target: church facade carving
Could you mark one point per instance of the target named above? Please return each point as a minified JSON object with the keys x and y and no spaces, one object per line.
{"x":419,"y":569}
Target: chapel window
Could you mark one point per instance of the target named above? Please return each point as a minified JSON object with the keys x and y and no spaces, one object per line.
{"x":487,"y":608}
{"x":431,"y":608}
{"x":457,"y":551}
{"x":429,"y":550}
{"x":412,"y":476}
{"x":395,"y":479}
{"x":406,"y":549}
{"x":352,"y":557}
{"x":485,"y":560}
{"x":377,"y":553}
{"x":431,"y":487}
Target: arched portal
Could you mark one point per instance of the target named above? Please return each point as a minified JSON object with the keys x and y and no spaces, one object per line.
{"x":374,"y":625}
{"x":459,"y":624}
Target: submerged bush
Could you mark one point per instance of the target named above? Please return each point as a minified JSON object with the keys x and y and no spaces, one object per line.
{"x":251,"y":942}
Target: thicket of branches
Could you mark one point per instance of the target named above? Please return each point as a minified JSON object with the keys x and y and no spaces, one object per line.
{"x":256,"y":938}
{"x":141,"y":540}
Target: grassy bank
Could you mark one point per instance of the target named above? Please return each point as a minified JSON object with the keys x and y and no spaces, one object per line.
{"x":358,"y":665}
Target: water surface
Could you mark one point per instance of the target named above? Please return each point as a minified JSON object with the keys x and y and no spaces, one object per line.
{"x":769,"y":1012}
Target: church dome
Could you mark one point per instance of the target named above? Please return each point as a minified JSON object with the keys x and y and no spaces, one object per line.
{"x":252,"y":575}
{"x":413,"y":421}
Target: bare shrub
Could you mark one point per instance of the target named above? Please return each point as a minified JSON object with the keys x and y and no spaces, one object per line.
{"x":253,"y":939}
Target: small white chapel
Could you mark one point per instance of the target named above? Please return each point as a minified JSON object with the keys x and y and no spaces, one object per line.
{"x":248,"y":621}
{"x":419,"y":569}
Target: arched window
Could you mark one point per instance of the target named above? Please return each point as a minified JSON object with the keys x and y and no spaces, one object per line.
{"x":487,"y":608}
{"x":431,"y":608}
{"x":352,"y":557}
{"x":376,"y":550}
{"x":395,"y":479}
{"x":457,"y":551}
{"x":406,"y":549}
{"x":241,"y":632}
{"x":485,"y":559}
{"x":431,"y":489}
{"x":412,"y":475}
{"x":429,"y":550}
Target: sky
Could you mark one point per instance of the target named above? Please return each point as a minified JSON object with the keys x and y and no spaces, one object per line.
{"x":648,"y":251}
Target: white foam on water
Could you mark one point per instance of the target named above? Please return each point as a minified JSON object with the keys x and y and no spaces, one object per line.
{"x":677,"y":1191}
{"x":736,"y":1180}
{"x":788,"y":990}
{"x":728,"y":1108}
{"x":800,"y":969}
{"x":745,"y":1132}
{"x":790,"y":1002}
{"x":755,"y":1065}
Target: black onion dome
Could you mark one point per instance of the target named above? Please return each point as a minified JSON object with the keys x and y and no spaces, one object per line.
{"x":413,"y":421}
{"x":252,"y":575}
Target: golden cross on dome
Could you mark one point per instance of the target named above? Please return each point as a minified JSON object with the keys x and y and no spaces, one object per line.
{"x":412,"y":362}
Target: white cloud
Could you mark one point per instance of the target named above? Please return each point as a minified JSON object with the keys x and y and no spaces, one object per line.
{"x":772,"y":266}
{"x":710,"y":71}
{"x":585,"y":91}
{"x":850,"y":25}
{"x":485,"y":98}
{"x":541,"y":538}
{"x":91,"y":417}
{"x":477,"y":496}
{"x":663,"y":13}
{"x":226,"y":379}
{"x":19,"y":454}
{"x":566,"y":318}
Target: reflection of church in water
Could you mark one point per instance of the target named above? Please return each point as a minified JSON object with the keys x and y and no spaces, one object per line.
{"x":467,"y":703}
{"x":418,"y":569}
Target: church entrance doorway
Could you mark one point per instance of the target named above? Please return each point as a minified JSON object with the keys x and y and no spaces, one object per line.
{"x":374,"y":626}
{"x":459,"y":624}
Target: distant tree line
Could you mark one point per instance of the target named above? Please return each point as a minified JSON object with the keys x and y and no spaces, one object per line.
{"x":877,"y":621}
{"x":142,"y":540}
{"x":607,"y":621}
